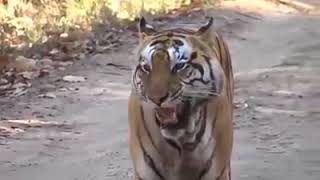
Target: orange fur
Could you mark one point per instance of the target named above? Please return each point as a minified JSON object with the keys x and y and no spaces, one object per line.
{"x":144,"y":135}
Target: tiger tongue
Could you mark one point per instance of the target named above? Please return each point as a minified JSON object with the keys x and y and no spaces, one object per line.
{"x":167,"y":115}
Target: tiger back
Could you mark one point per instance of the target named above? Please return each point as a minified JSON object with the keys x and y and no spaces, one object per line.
{"x":180,"y":107}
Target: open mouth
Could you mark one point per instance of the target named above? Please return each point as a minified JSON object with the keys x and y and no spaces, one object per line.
{"x":167,"y":116}
{"x":173,"y":117}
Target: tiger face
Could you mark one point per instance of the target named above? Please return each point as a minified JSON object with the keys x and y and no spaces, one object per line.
{"x":176,"y":70}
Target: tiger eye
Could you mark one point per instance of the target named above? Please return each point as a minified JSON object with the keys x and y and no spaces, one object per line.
{"x":180,"y":66}
{"x":178,"y":42}
{"x":146,"y":67}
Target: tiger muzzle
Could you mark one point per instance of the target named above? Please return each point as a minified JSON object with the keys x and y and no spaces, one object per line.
{"x":167,"y":117}
{"x":158,"y":100}
{"x":173,"y":117}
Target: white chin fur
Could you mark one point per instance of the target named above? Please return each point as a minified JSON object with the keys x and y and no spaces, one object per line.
{"x":174,"y":135}
{"x":178,"y":136}
{"x":184,"y":135}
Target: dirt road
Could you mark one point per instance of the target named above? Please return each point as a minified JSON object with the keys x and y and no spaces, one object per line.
{"x":276,"y":60}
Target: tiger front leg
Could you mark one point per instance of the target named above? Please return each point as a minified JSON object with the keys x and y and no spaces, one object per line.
{"x":136,"y":177}
{"x":226,"y":175}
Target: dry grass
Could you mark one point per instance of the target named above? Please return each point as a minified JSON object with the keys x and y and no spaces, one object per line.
{"x":31,"y":19}
{"x":261,"y":6}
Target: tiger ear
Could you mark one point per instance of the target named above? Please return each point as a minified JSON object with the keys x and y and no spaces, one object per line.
{"x":205,"y":30}
{"x":144,"y":28}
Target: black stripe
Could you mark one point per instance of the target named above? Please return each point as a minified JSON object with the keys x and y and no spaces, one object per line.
{"x":169,"y":34}
{"x":198,"y":67}
{"x":158,"y":42}
{"x":220,"y":52}
{"x":176,"y":94}
{"x":207,"y":59}
{"x":201,"y":131}
{"x":134,"y":76}
{"x":221,"y":173}
{"x":183,"y":114}
{"x":199,"y":119}
{"x":213,"y":80}
{"x":157,"y":120}
{"x":209,"y":162}
{"x":200,"y":134}
{"x":147,"y":130}
{"x":207,"y":165}
{"x":197,"y":79}
{"x":150,"y":162}
{"x":222,"y":62}
{"x":174,"y":145}
{"x":214,"y":123}
{"x":212,"y":131}
{"x":147,"y":158}
{"x":189,"y":74}
{"x":180,"y":30}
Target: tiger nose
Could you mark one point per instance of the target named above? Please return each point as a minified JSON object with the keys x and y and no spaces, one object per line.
{"x":158,"y":100}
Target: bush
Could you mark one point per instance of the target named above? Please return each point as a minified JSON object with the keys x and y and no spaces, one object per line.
{"x":30,"y":20}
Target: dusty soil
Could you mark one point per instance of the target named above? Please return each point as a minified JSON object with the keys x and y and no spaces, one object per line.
{"x":276,"y":63}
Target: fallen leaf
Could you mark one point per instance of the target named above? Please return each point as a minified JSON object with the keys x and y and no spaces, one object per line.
{"x":66,"y":63}
{"x":64,"y":35}
{"x":5,"y":86}
{"x":98,"y":91}
{"x":71,"y":78}
{"x":48,"y":95}
{"x":54,"y":51}
{"x":18,"y":92}
{"x":3,"y":81}
{"x":27,"y":75}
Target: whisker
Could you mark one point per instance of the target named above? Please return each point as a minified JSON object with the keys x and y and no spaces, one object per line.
{"x":195,"y":96}
{"x":203,"y":90}
{"x":199,"y":93}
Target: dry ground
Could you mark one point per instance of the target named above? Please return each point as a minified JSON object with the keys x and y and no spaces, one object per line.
{"x":276,"y":60}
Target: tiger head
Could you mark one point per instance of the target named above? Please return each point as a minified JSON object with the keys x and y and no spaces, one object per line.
{"x":176,"y":70}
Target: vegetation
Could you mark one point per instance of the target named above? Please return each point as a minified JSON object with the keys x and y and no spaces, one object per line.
{"x":30,"y":20}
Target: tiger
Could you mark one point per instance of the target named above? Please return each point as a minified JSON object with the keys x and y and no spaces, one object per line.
{"x":180,"y":111}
